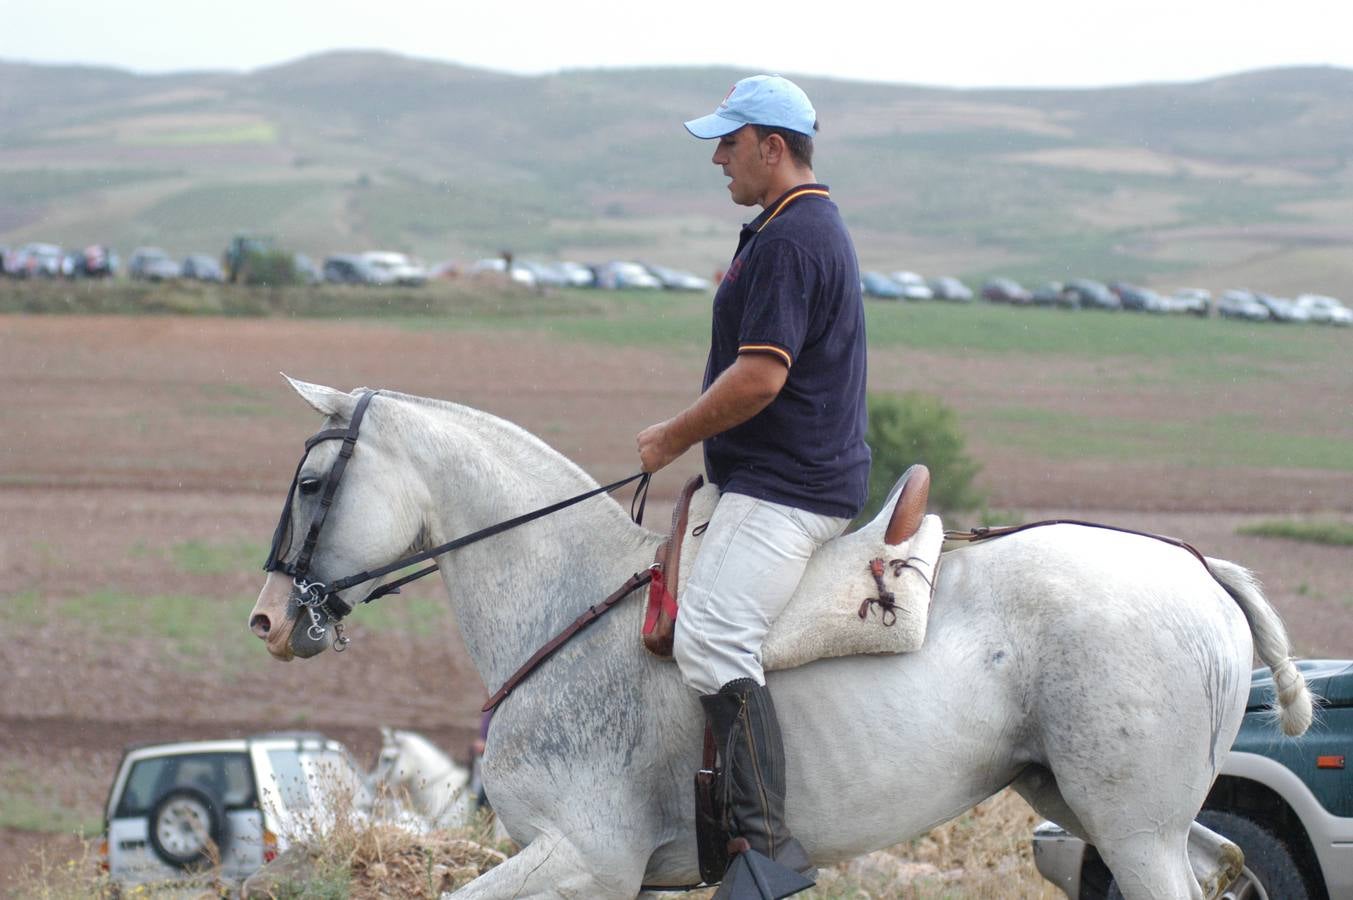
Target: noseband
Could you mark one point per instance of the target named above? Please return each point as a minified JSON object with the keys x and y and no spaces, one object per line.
{"x":321,"y":600}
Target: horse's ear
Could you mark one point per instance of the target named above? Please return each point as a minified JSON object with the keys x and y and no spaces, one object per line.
{"x":323,"y":399}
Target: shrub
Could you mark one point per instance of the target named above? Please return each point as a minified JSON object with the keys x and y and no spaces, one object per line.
{"x":917,"y":428}
{"x":273,"y":268}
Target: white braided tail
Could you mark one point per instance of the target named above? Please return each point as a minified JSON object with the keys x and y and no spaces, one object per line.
{"x":1292,"y":703}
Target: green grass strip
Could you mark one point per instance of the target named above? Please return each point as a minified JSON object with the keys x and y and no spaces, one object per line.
{"x":198,"y":631}
{"x":1334,"y":534}
{"x":203,"y":558}
{"x":27,"y":803}
{"x":1223,"y":440}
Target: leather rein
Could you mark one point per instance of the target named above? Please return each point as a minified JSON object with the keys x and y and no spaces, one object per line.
{"x":322,"y":601}
{"x":988,"y":532}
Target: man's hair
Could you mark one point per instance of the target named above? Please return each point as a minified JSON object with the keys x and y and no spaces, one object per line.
{"x":800,"y":145}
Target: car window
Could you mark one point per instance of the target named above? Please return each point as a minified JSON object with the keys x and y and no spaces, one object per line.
{"x":222,"y":775}
{"x":337,"y":774}
{"x":239,"y":783}
{"x":291,"y":780}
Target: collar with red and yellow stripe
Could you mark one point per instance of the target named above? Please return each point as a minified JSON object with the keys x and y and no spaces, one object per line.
{"x":817,"y":190}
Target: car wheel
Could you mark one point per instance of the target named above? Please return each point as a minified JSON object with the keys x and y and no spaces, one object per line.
{"x":1270,"y":872}
{"x":186,"y":828}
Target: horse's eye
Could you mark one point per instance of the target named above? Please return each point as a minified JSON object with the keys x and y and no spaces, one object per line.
{"x":309,"y":485}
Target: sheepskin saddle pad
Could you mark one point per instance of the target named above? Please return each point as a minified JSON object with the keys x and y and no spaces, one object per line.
{"x":867,"y":591}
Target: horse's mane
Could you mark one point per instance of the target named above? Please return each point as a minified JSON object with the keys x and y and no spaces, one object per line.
{"x":520,"y":445}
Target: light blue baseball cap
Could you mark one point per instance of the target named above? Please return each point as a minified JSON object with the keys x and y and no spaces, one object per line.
{"x":768,"y":100}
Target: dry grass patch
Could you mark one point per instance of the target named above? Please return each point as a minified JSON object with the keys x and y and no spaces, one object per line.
{"x":387,"y":862}
{"x":984,"y":854}
{"x":59,"y":876}
{"x":350,"y":850}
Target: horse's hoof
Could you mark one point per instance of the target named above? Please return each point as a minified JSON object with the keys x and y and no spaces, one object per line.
{"x":1232,"y":863}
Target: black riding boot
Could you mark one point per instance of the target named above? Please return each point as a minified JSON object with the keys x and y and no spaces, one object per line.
{"x":747,"y":735}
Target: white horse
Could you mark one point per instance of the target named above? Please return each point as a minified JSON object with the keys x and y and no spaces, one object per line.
{"x":437,"y":788}
{"x":1102,"y":674}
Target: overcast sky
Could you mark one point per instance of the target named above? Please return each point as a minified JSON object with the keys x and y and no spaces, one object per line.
{"x":948,"y":42}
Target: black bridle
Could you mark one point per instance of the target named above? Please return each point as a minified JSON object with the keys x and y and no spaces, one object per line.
{"x":321,"y":599}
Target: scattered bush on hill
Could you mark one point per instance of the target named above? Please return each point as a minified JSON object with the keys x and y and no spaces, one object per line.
{"x":268,"y":268}
{"x":913,"y":428}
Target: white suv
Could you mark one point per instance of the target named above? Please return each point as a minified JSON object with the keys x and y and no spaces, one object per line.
{"x":176,"y":809}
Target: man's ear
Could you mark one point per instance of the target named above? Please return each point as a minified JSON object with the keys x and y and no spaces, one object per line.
{"x":773,"y":149}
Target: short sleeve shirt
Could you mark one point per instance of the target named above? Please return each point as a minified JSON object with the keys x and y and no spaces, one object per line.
{"x":793,"y":291}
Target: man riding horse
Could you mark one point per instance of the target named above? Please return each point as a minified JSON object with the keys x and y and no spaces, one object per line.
{"x":782,"y":418}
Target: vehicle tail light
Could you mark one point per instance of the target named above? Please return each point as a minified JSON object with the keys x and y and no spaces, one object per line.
{"x":103,"y":856}
{"x":1329,"y":762}
{"x":269,"y":846}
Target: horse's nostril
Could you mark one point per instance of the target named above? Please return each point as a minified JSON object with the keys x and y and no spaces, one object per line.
{"x":260,"y":625}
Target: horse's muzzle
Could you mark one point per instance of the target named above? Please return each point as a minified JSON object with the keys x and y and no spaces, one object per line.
{"x":284,"y":624}
{"x":311,"y":628}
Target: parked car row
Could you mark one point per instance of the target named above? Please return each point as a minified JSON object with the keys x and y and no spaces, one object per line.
{"x":100,"y":261}
{"x":377,"y":267}
{"x":1085,"y":293}
{"x":1235,"y":303}
{"x":911,"y":286}
{"x":1260,"y":307}
{"x":50,"y":261}
{"x":372,"y":267}
{"x":154,"y":264}
{"x":613,"y":275}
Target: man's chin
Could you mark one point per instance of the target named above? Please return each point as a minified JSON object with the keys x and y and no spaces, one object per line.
{"x":741,"y":199}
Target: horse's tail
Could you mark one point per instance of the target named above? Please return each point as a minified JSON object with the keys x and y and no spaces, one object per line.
{"x":1292,"y":699}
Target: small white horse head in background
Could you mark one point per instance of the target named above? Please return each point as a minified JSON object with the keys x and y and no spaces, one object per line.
{"x":434,"y":785}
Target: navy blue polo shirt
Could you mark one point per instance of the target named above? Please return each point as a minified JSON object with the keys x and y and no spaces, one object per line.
{"x":793,"y":291}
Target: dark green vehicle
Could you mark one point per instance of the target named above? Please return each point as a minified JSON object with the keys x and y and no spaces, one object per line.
{"x":254,"y":259}
{"x":238,"y":255}
{"x":1287,"y":802}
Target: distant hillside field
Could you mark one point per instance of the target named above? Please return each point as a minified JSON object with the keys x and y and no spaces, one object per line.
{"x":1238,"y":181}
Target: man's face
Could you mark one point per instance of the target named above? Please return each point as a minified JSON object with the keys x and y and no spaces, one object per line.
{"x":740,"y":156}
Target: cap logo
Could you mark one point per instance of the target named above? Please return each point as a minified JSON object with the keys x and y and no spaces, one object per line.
{"x":724,"y":103}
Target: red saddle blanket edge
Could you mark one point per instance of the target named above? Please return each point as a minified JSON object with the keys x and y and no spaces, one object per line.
{"x":661,"y":603}
{"x":660,"y":618}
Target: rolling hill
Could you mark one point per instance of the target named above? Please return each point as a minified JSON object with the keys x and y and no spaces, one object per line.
{"x":1238,"y":180}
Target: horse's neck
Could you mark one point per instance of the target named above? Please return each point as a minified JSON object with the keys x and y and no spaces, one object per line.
{"x":514,"y":591}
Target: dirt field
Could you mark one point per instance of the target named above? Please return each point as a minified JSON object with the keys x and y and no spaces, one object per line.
{"x":122,"y":439}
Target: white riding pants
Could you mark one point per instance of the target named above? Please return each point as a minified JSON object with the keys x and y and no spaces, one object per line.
{"x":750,"y":562}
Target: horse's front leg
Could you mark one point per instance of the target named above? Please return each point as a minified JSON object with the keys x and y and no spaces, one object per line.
{"x":552,"y":867}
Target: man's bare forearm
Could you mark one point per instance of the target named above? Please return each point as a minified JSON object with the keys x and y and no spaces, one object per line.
{"x":743,"y":390}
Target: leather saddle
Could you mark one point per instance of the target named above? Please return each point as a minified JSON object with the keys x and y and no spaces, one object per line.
{"x":660,"y":619}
